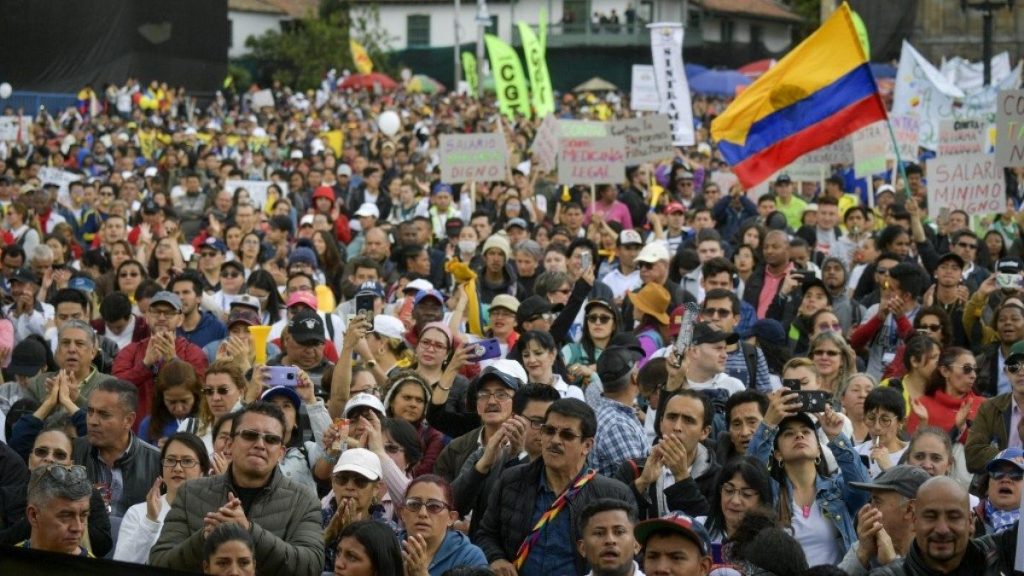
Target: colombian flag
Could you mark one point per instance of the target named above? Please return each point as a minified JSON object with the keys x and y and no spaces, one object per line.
{"x":820,"y":92}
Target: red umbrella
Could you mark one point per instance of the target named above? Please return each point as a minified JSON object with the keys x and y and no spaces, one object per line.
{"x":367,"y":82}
{"x":757,"y":68}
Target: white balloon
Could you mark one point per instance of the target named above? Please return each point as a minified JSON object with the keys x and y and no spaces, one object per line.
{"x":5,"y":90}
{"x":406,"y":74}
{"x":389,"y":123}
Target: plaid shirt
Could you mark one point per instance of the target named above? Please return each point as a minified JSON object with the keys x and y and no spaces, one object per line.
{"x":620,"y":435}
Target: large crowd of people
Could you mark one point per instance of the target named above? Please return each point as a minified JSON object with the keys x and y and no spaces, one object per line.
{"x":271,"y":340}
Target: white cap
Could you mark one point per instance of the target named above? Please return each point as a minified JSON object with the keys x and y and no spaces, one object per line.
{"x":524,"y":167}
{"x":388,"y":326}
{"x":512,"y":368}
{"x":307,"y":219}
{"x":368,"y":209}
{"x":247,"y":300}
{"x":630,"y":236}
{"x":361,"y":461}
{"x":258,"y":132}
{"x":150,"y":172}
{"x":417,"y":285}
{"x":190,"y":131}
{"x":653,"y":252}
{"x":296,"y":155}
{"x":344,"y":170}
{"x":363,"y":399}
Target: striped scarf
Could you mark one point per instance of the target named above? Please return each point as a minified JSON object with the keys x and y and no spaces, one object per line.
{"x":556,"y":507}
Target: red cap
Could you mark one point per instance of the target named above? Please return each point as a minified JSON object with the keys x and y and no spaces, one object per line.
{"x":675,"y":207}
{"x":303,"y":297}
{"x":324,"y":192}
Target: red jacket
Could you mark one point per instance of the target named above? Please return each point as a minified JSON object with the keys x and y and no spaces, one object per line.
{"x":128,"y":366}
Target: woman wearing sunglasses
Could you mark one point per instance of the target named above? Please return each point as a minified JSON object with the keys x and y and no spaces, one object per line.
{"x":833,"y":358}
{"x":601,"y":321}
{"x":355,"y":495}
{"x":430,"y":545}
{"x":223,"y":392}
{"x":931,"y":321}
{"x":949,"y":400}
{"x":182,"y":458}
{"x":999,"y":509}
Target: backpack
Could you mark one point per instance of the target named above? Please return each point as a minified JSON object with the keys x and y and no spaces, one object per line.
{"x":750,"y":355}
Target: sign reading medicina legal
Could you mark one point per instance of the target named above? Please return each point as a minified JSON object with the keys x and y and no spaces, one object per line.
{"x":592,"y":160}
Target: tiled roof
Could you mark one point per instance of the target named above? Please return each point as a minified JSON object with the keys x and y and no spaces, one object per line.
{"x":757,"y":8}
{"x":263,"y":6}
{"x":298,"y":8}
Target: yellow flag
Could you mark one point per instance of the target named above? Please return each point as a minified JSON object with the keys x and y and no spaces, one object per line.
{"x":362,"y":60}
{"x":509,"y":79}
{"x":334,"y":139}
{"x":541,"y":96}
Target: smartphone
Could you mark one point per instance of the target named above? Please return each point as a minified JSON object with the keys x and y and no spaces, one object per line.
{"x":586,"y":260}
{"x":281,"y":376}
{"x":364,"y":305}
{"x":814,"y":400}
{"x":792,"y":384}
{"x":484,"y":350}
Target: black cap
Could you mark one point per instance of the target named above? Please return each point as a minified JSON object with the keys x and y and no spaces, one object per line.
{"x":615,"y":362}
{"x":306,"y":327}
{"x":904,"y":479}
{"x":25,"y":275}
{"x":27,"y":358}
{"x":236,"y":264}
{"x":813,"y":281}
{"x":952,"y":257}
{"x":532,"y":306}
{"x":1008,"y":266}
{"x":627,"y":340}
{"x":149,"y":206}
{"x":704,"y":333}
{"x":783,"y":179}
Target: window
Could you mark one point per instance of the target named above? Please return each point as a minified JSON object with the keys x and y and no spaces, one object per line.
{"x":231,"y":33}
{"x":727,"y":31}
{"x":756,"y":35}
{"x":492,"y":28}
{"x":417,"y":30}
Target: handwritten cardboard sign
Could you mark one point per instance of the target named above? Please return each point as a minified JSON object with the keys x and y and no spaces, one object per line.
{"x":971,"y":183}
{"x":962,"y":137}
{"x":481,"y":157}
{"x":581,"y":129}
{"x":644,"y":94}
{"x":14,"y":127}
{"x":871,"y":146}
{"x":592,"y":160}
{"x":258,"y":190}
{"x":1010,"y":129}
{"x":545,"y":144}
{"x":906,"y":129}
{"x":648,"y":138}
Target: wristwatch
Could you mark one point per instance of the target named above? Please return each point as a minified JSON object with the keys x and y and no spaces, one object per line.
{"x":371,"y":364}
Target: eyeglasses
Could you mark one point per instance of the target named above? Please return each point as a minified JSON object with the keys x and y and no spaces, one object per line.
{"x":392,"y":448}
{"x":343,"y":478}
{"x":254,"y":436}
{"x":43,"y":452}
{"x":716,"y":312}
{"x":967,"y":245}
{"x":835,"y":327}
{"x":432,"y":345}
{"x":373,"y":391}
{"x":884,"y":421}
{"x":599,"y":318}
{"x":729,"y":490}
{"x":185,"y":462}
{"x":162,"y":312}
{"x":829,"y":353}
{"x":536,"y":423}
{"x":564,"y":434}
{"x":965,"y":368}
{"x":1015,"y":475}
{"x":1014,"y":368}
{"x":129,"y":275}
{"x":219,"y":391}
{"x":499,"y":396}
{"x":414,"y":505}
{"x":930,"y":327}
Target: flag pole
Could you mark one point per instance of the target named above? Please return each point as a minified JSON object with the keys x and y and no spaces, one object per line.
{"x":899,"y":161}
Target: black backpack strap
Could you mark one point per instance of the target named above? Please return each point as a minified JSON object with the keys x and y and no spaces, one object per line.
{"x":750,"y":355}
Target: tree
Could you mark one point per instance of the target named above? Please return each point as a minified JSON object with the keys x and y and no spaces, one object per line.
{"x":302,"y":55}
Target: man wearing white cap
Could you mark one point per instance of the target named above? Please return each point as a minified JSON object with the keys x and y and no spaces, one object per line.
{"x":368,"y":215}
{"x":625,"y":275}
{"x":653,"y":263}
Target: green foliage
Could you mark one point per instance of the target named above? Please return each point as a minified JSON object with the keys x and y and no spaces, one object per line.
{"x":240,"y":76}
{"x":810,"y":11}
{"x":368,"y":31}
{"x":301,"y":56}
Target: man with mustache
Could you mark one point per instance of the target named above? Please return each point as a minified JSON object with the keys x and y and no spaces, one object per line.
{"x":607,"y":540}
{"x":942,"y":538}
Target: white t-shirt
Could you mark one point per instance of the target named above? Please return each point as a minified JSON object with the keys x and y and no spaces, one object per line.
{"x":864,"y":449}
{"x":721,"y":380}
{"x":817,"y":535}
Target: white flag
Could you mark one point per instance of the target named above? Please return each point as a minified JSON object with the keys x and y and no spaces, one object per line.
{"x":673,"y":89}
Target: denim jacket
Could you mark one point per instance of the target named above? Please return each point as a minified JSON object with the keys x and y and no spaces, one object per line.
{"x":838,"y":501}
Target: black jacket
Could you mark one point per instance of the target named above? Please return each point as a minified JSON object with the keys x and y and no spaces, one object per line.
{"x":14,"y":477}
{"x":691,"y":496}
{"x":755,"y":284}
{"x":140,"y":466}
{"x":509,"y":516}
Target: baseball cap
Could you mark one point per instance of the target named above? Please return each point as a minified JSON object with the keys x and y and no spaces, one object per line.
{"x":363,"y":399}
{"x":1008,"y":266}
{"x":626,"y":340}
{"x":506,"y":301}
{"x":216,"y":244}
{"x":783,"y":179}
{"x":236,"y":264}
{"x":1013,"y":456}
{"x":885,"y":188}
{"x":509,"y":372}
{"x":531,"y":307}
{"x":1016,"y":353}
{"x":417,"y":285}
{"x":286,"y":391}
{"x":165,"y":297}
{"x":302,"y":255}
{"x":423,"y":294}
{"x":324,"y":192}
{"x":441,"y":188}
{"x":675,"y":207}
{"x":630,"y":237}
{"x":653,"y":252}
{"x":388,"y":327}
{"x":302,"y":297}
{"x":598,"y":302}
{"x":615,"y":362}
{"x":243,"y":314}
{"x":770,"y":331}
{"x":951,"y":257}
{"x":149,"y":206}
{"x":678,"y":523}
{"x":812,"y":207}
{"x":516,"y":222}
{"x":904,"y":479}
{"x":27,"y":358}
{"x":344,"y":170}
{"x":798,"y":418}
{"x":306,"y":327}
{"x":704,"y":333}
{"x":246,"y":301}
{"x":368,"y":209}
{"x":361,"y":461}
{"x":83,"y":283}
{"x":306,"y":220}
{"x":371,"y":288}
{"x":25,"y":275}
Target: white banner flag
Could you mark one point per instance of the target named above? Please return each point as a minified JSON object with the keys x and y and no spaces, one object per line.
{"x":673,"y":89}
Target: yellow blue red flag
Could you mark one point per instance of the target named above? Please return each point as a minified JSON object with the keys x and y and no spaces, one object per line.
{"x":820,"y":92}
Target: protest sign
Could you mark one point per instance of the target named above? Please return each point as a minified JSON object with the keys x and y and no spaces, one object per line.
{"x":62,"y":178}
{"x":971,"y":183}
{"x":1010,"y":129}
{"x":906,"y":129}
{"x":643,"y":94}
{"x":673,"y":88}
{"x":480,"y":157}
{"x":263,"y":99}
{"x":592,"y":160}
{"x":648,"y":138}
{"x":962,"y":137}
{"x":13,"y":128}
{"x":545,"y":144}
{"x":258,"y":190}
{"x":871,"y":146}
{"x":581,"y":129}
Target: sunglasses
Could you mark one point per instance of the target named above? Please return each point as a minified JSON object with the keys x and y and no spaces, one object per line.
{"x":230,"y":274}
{"x":834,"y":327}
{"x":414,"y":505}
{"x":1015,"y":475}
{"x":254,"y":436}
{"x":564,"y":434}
{"x":965,"y":368}
{"x":967,"y":245}
{"x":599,"y":318}
{"x":536,"y":423}
{"x":829,"y":353}
{"x":43,"y":452}
{"x":930,"y":327}
{"x":716,"y":312}
{"x":208,"y":254}
{"x":343,"y":478}
{"x":219,"y":391}
{"x":646,"y":265}
{"x":1014,"y":368}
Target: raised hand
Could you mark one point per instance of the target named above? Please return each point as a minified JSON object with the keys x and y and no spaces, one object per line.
{"x":153,"y":503}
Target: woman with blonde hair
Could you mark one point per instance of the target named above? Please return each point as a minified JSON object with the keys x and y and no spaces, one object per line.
{"x":833,"y":358}
{"x":851,"y":396}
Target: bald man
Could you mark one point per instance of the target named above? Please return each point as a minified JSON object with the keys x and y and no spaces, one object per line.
{"x":766,"y":280}
{"x":942,"y":538}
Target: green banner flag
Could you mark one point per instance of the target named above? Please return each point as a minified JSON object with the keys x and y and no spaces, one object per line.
{"x":536,"y":64}
{"x":509,"y":79}
{"x":543,"y":31}
{"x":469,"y":71}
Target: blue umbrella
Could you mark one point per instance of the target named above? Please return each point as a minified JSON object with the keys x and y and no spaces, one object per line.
{"x":694,"y":69}
{"x":718,"y":82}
